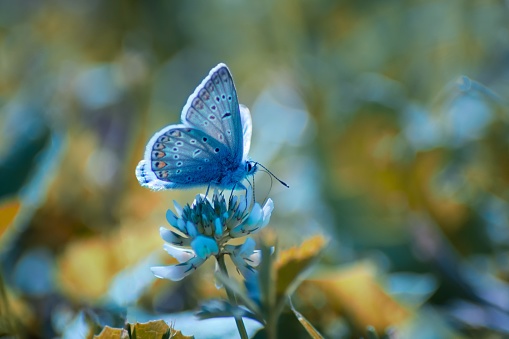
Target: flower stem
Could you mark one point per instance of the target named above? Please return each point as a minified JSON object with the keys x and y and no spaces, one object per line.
{"x":232,"y":298}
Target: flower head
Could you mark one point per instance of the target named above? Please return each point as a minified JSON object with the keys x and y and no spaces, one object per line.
{"x":204,"y":228}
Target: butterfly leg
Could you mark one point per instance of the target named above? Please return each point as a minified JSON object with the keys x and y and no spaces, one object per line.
{"x":207,"y":191}
{"x":253,"y":187}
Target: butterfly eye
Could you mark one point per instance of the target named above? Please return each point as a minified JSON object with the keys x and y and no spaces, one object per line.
{"x":249,"y":167}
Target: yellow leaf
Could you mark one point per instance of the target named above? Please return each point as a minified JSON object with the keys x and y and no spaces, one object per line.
{"x":8,"y":211}
{"x":293,"y":261}
{"x":355,"y":292}
{"x":150,"y":330}
{"x":155,"y":330}
{"x":112,"y":333}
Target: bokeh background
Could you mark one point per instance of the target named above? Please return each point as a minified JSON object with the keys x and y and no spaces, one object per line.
{"x":388,"y":119}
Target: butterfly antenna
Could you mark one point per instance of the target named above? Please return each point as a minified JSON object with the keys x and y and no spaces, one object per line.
{"x":272,"y":174}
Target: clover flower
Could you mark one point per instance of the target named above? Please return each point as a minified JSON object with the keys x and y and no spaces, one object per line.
{"x":204,"y":228}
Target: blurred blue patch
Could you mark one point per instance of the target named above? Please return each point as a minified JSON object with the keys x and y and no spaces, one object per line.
{"x":25,"y":134}
{"x":375,"y":87}
{"x":97,"y":87}
{"x":495,"y":212}
{"x":129,"y":284}
{"x":279,"y":117}
{"x":33,"y":273}
{"x":419,"y":127}
{"x":467,"y":119}
{"x":412,"y":289}
{"x":77,"y":328}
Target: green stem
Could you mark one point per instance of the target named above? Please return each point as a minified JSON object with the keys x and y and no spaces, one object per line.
{"x":232,"y":298}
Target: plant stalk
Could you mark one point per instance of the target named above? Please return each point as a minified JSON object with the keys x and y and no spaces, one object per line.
{"x":232,"y":298}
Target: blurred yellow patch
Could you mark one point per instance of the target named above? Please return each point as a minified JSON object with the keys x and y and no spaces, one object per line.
{"x":355,"y":293}
{"x":8,"y":211}
{"x":87,"y":267}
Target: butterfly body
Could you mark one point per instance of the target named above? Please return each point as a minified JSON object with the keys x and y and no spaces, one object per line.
{"x":209,"y":147}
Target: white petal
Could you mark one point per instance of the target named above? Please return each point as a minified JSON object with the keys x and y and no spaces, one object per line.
{"x":178,"y":208}
{"x":181,"y":254}
{"x":247,"y":248}
{"x":217,"y":282}
{"x":197,"y":200}
{"x":255,"y":216}
{"x":177,"y":272}
{"x":267,"y":211}
{"x":255,"y":259}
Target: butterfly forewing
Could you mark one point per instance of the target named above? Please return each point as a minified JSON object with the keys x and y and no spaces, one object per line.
{"x":184,"y":156}
{"x":214,"y":109}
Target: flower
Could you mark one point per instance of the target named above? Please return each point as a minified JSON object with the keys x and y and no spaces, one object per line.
{"x":203,"y":229}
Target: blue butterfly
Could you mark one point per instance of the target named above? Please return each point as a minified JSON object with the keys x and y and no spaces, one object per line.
{"x":209,"y":147}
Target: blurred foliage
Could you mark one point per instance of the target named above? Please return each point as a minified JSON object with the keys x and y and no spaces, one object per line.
{"x":389,"y":121}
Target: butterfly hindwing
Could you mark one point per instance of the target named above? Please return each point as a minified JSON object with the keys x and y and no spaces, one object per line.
{"x":214,"y":109}
{"x":186,"y":156}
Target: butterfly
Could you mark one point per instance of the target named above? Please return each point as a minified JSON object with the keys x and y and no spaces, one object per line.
{"x":210,"y":146}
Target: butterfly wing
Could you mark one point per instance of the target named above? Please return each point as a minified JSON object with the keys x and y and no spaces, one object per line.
{"x":247,"y":127}
{"x":214,"y":109}
{"x":180,"y":156}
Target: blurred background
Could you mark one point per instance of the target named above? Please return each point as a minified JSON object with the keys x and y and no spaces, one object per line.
{"x":388,"y":120}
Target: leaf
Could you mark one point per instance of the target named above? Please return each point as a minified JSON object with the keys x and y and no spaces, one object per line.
{"x":112,"y":333}
{"x":221,"y":309}
{"x":293,"y":261}
{"x":355,"y":292}
{"x":305,"y":323}
{"x":151,"y":330}
{"x":8,"y":211}
{"x":239,"y":293}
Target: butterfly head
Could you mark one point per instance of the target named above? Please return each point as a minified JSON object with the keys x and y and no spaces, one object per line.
{"x":251,"y":167}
